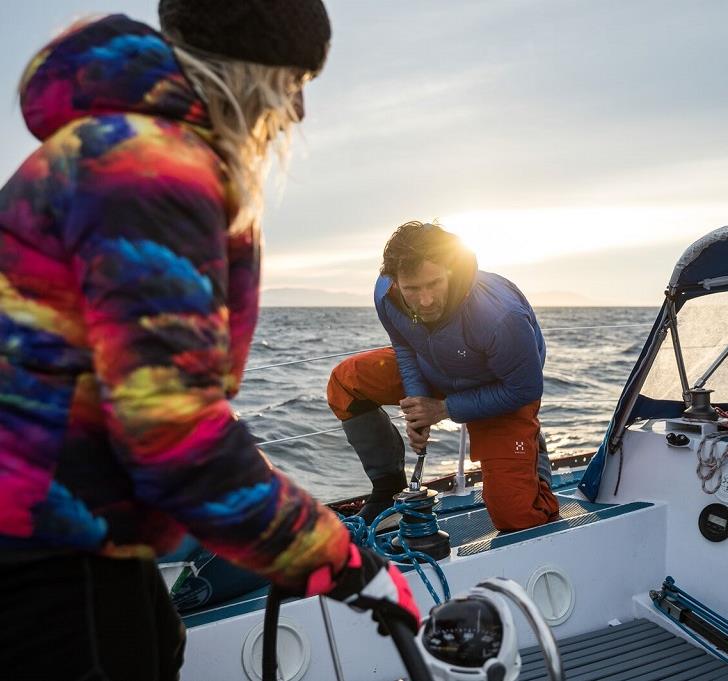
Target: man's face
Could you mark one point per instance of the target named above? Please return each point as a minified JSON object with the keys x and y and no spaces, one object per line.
{"x":425,"y":291}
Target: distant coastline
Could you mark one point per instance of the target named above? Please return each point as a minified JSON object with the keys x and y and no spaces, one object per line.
{"x":314,"y":297}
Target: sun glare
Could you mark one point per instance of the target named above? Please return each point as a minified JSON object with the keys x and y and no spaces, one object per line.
{"x":511,"y":237}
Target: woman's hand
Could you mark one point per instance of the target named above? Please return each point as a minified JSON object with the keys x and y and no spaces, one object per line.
{"x":369,"y":582}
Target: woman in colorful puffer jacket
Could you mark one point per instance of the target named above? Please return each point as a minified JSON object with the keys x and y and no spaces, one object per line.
{"x":129,"y":260}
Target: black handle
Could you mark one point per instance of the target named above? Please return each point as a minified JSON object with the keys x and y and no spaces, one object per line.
{"x":270,"y":634}
{"x":408,"y":650}
{"x":398,"y":630}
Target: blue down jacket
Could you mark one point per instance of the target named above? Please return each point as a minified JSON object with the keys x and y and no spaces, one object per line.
{"x":486,"y":354}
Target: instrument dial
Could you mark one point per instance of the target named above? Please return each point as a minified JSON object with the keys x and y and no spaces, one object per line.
{"x":465,"y":632}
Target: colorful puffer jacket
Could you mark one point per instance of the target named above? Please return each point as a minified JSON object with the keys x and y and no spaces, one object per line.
{"x":486,"y":354}
{"x":126,"y":313}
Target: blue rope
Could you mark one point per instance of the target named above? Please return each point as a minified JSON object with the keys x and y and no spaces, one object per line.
{"x":416,"y":508}
{"x":358,"y":530}
{"x":364,"y":535}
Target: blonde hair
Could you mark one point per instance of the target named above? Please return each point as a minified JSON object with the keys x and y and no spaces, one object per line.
{"x":251,"y":107}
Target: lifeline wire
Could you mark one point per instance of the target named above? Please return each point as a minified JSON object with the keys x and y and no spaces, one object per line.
{"x":339,"y":428}
{"x":383,"y":347}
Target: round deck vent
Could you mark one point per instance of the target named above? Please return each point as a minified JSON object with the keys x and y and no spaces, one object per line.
{"x":552,"y":591}
{"x":294,"y":652}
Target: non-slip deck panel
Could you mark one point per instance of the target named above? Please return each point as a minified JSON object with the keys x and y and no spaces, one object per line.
{"x":634,"y":651}
{"x":477,"y":525}
{"x":474,"y":532}
{"x":560,"y":482}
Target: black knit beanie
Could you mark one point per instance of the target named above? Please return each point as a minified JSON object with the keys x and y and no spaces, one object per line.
{"x":273,"y":32}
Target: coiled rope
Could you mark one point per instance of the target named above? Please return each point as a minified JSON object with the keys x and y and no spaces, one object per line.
{"x":364,"y":535}
{"x":710,"y":466}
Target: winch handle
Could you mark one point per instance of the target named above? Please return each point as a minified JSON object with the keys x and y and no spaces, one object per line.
{"x":416,"y":479}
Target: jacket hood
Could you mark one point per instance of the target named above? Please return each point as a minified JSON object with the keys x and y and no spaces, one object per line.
{"x":462,"y":279}
{"x":111,"y":65}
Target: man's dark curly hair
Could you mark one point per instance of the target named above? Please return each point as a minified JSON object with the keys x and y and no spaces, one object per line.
{"x":414,"y":242}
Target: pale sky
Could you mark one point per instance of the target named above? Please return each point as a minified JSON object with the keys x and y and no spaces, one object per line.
{"x":578,"y":145}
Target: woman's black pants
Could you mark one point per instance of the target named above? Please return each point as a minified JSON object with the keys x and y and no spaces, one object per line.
{"x":86,"y":618}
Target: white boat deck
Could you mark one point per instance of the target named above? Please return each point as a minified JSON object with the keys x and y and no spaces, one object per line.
{"x":578,"y":545}
{"x":635,"y":651}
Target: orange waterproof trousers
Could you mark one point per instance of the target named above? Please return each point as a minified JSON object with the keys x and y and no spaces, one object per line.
{"x":506,"y":446}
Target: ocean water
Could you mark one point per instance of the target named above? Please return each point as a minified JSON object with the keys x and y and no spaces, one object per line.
{"x":590,"y":352}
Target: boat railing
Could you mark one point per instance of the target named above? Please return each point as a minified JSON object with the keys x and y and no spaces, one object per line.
{"x":382,"y":347}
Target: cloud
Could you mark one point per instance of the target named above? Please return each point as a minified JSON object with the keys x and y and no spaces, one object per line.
{"x":430,"y":109}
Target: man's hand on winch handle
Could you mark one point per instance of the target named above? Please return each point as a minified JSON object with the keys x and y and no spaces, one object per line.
{"x":418,"y":438}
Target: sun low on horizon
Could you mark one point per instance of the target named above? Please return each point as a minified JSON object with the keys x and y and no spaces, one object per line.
{"x":505,"y":237}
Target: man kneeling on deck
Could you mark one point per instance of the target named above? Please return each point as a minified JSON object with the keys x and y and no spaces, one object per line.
{"x":466,"y":346}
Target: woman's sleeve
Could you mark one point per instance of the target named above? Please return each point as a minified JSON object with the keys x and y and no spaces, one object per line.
{"x":149,"y":249}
